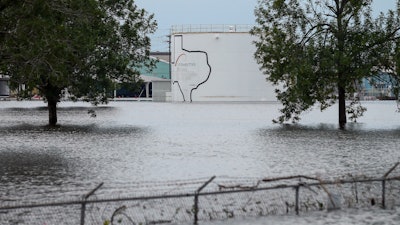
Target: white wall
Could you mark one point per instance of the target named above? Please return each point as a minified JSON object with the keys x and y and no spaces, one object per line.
{"x":160,"y":90}
{"x":4,"y":88}
{"x":235,"y":75}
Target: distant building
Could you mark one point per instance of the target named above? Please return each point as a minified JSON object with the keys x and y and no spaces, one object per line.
{"x":159,"y":79}
{"x":379,"y":87}
{"x":162,"y":56}
{"x":157,"y":82}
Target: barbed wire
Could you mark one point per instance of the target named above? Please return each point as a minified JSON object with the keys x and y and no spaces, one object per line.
{"x":202,"y":199}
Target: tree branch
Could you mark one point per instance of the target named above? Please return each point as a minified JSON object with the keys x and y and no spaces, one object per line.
{"x":307,"y":38}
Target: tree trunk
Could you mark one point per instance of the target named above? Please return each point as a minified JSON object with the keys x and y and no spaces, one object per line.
{"x":342,"y":108}
{"x":340,"y":35}
{"x":52,"y":106}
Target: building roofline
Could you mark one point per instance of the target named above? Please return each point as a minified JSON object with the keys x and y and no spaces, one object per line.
{"x":159,"y":53}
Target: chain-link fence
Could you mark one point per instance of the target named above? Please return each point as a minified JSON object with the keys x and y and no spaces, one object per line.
{"x":190,"y":201}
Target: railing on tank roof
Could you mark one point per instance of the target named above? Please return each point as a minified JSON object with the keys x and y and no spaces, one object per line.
{"x":206,"y":28}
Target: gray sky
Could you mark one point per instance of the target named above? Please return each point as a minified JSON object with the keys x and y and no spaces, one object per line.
{"x":178,"y":12}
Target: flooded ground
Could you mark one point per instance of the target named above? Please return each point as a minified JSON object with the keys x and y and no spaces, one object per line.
{"x":144,"y":141}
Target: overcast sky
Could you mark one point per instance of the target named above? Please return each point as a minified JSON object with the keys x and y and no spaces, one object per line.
{"x":178,"y":12}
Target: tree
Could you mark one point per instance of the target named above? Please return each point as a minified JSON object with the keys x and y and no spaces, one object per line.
{"x":319,"y":51}
{"x":83,"y":46}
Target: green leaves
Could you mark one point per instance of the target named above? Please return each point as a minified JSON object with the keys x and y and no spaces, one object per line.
{"x":84,"y":46}
{"x":313,"y":48}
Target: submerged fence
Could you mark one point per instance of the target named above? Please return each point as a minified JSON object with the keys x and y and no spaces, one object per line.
{"x":215,"y":198}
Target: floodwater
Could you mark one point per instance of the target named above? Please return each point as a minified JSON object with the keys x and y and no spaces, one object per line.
{"x":145,"y":141}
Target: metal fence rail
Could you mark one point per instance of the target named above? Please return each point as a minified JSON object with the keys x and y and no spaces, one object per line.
{"x":213,"y":199}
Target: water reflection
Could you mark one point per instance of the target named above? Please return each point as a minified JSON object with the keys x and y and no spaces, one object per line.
{"x":18,"y":166}
{"x":324,"y":149}
{"x":27,"y":171}
{"x":35,"y":156}
{"x":37,"y":114}
{"x":67,"y":129}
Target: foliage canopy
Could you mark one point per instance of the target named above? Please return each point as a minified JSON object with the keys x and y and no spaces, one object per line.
{"x":84,"y":46}
{"x":318,"y":51}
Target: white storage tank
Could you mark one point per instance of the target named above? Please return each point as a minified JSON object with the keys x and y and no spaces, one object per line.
{"x":216,"y":63}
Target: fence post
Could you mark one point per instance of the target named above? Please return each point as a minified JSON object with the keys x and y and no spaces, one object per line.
{"x":85,"y":197}
{"x":196,"y":199}
{"x":384,"y":193}
{"x":297,"y":199}
{"x":384,"y":185}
